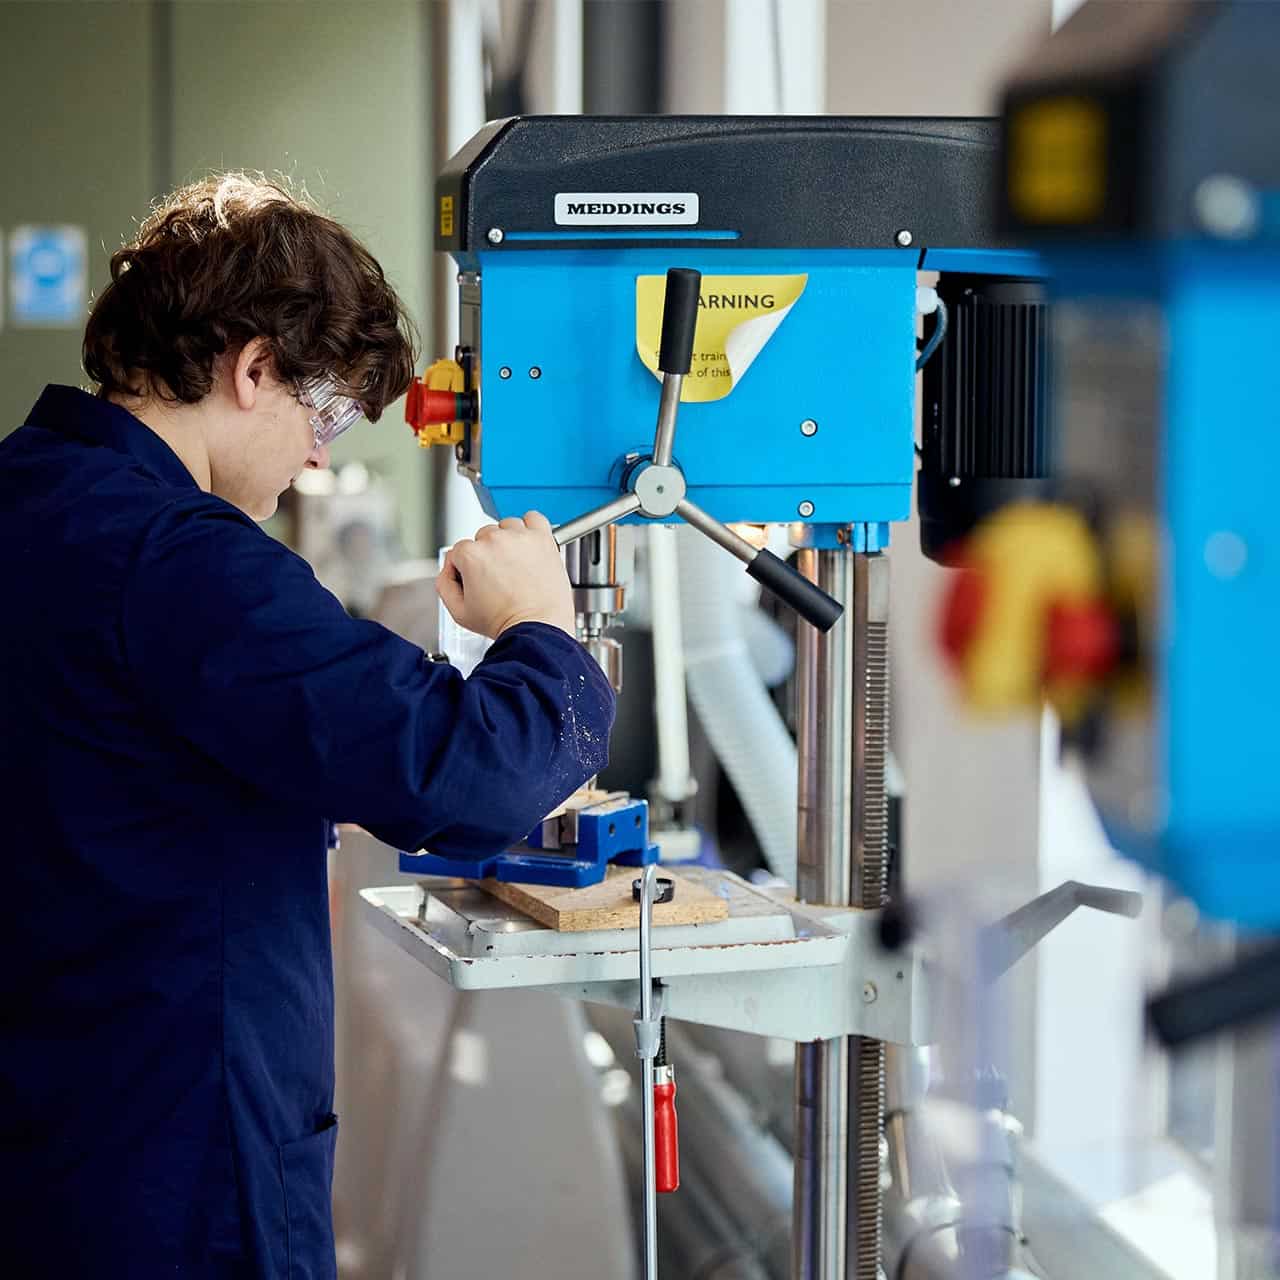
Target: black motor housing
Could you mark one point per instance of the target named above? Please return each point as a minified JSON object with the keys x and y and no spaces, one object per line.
{"x":985,"y":410}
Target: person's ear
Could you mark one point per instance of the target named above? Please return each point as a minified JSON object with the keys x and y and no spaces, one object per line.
{"x":252,"y":364}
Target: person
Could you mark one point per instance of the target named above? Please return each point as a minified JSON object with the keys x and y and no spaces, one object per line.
{"x":185,"y":711}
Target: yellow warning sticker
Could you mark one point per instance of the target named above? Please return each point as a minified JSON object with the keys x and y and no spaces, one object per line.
{"x":446,"y":215}
{"x":737,"y":315}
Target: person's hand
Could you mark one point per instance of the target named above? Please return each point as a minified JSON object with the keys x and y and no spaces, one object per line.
{"x":509,"y":573}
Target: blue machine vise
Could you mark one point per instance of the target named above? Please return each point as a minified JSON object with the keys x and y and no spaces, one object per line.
{"x":572,"y":849}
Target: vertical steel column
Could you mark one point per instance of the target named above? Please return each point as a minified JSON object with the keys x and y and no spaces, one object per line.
{"x":622,"y":57}
{"x":842,"y":682}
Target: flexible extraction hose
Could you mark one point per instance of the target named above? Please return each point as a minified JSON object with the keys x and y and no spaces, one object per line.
{"x":669,"y":689}
{"x":743,"y":726}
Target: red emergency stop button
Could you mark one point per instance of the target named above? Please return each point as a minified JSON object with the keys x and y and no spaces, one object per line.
{"x":425,"y":407}
{"x":962,"y":612}
{"x":1082,"y":641}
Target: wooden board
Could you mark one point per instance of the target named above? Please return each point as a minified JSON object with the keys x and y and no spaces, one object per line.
{"x":609,"y":904}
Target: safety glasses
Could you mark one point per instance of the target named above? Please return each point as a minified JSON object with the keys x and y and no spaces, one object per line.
{"x":332,"y":412}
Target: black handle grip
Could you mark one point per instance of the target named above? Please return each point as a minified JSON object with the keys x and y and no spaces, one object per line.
{"x":1246,"y":992}
{"x":679,"y":319}
{"x":793,"y":588}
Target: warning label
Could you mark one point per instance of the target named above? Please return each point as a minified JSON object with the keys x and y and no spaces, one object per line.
{"x":737,"y":315}
{"x":446,"y":215}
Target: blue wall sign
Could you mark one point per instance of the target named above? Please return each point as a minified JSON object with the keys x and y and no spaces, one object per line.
{"x":48,"y":276}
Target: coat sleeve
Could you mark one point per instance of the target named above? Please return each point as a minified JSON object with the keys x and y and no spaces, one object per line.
{"x":237,"y":648}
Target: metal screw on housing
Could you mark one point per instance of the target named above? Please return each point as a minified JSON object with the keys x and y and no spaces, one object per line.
{"x":495,"y":235}
{"x":904,"y":238}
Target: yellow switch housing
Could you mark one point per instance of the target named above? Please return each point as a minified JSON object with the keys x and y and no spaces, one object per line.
{"x":443,"y":375}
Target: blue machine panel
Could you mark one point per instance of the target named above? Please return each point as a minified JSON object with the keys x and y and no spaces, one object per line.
{"x":844,"y":357}
{"x":1223,"y":615}
{"x":1207,"y":810}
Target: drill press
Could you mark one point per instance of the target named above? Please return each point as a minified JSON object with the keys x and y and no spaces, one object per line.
{"x":1139,"y":156}
{"x":764,"y":271}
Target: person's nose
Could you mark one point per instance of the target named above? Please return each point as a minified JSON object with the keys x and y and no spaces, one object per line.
{"x":318,"y":458}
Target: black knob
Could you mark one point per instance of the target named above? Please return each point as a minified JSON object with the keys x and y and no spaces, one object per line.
{"x":666,"y":890}
{"x":679,"y":319}
{"x":897,"y":926}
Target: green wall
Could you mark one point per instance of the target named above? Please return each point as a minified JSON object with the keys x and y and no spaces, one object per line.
{"x":104,"y":105}
{"x":75,"y":147}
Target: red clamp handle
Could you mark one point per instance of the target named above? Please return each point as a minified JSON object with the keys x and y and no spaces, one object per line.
{"x":665,"y":1132}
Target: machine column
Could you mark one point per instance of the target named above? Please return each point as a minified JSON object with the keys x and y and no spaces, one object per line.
{"x":843,"y":682}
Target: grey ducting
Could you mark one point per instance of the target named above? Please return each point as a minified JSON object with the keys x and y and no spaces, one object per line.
{"x":742,"y":724}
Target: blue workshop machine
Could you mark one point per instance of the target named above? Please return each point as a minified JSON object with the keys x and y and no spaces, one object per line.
{"x":1142,"y":155}
{"x":761,"y":279}
{"x":757,"y":283}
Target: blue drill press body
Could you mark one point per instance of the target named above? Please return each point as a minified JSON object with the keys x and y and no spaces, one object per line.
{"x":810,"y":235}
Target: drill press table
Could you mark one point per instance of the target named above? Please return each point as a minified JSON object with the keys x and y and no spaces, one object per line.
{"x":773,"y":967}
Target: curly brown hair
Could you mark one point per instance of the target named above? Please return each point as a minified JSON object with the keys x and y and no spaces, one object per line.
{"x":235,"y":257}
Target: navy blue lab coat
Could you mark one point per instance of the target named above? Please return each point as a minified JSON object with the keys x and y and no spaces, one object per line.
{"x":182,"y":709}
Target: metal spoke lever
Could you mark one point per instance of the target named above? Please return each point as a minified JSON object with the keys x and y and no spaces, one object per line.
{"x":658,"y":486}
{"x":808,"y":600}
{"x":623,"y":505}
{"x":1004,"y":943}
